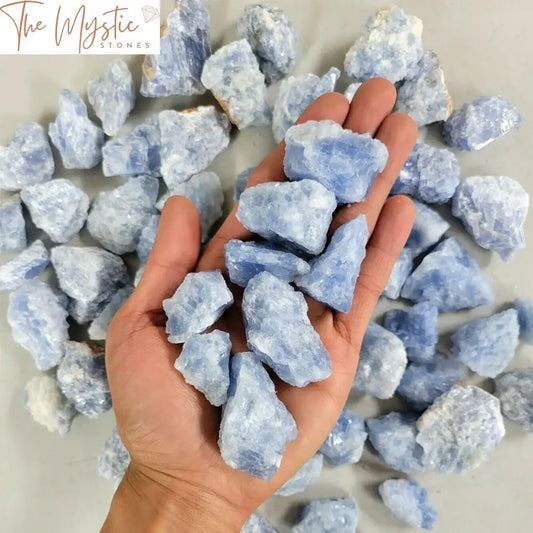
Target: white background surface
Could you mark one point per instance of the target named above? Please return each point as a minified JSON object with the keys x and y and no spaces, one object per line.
{"x":49,"y":484}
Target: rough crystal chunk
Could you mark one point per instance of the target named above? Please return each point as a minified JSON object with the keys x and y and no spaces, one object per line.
{"x":114,"y":459}
{"x":12,"y":225}
{"x":401,"y":271}
{"x":147,"y":238}
{"x":98,"y":328}
{"x":304,"y":477}
{"x":350,"y":91}
{"x":257,"y":524}
{"x":328,"y":516}
{"x":278,"y":330}
{"x":428,"y":229}
{"x":27,"y":265}
{"x":524,"y":309}
{"x":515,"y":392}
{"x":241,"y":182}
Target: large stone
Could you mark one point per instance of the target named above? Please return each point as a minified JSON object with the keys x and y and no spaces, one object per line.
{"x":328,"y":516}
{"x":304,"y":477}
{"x":515,"y":392}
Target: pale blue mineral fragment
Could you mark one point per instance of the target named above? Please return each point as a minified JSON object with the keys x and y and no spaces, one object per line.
{"x":515,"y":392}
{"x":333,"y":274}
{"x":487,"y":345}
{"x":401,"y":271}
{"x":27,"y":159}
{"x":241,"y":182}
{"x":112,"y":96}
{"x":450,"y":278}
{"x":350,"y":91}
{"x":279,"y":332}
{"x":428,"y":229}
{"x":78,"y":140}
{"x":328,"y":516}
{"x":176,"y":70}
{"x":47,"y":405}
{"x":27,"y":265}
{"x":493,"y":210}
{"x":272,"y":37}
{"x":57,"y":207}
{"x":295,"y":214}
{"x":257,"y":524}
{"x":244,"y":260}
{"x":390,"y":47}
{"x":295,"y":95}
{"x":346,"y":163}
{"x":304,"y":477}
{"x":460,"y":430}
{"x":409,"y":502}
{"x":196,"y":305}
{"x":382,"y":362}
{"x":12,"y":225}
{"x":118,"y":217}
{"x":204,"y":363}
{"x":99,"y":326}
{"x":38,"y":320}
{"x":114,"y":459}
{"x":147,"y":238}
{"x":524,"y":309}
{"x":344,"y":445}
{"x":255,"y":426}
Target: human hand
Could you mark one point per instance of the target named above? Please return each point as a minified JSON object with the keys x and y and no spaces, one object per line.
{"x":177,"y":480}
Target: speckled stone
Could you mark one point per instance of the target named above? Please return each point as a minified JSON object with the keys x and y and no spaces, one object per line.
{"x":328,"y":516}
{"x":304,"y":477}
{"x":515,"y":392}
{"x":525,"y":319}
{"x":241,"y":182}
{"x":27,"y":265}
{"x":99,"y":326}
{"x":114,"y":459}
{"x":257,"y":524}
{"x":428,"y":229}
{"x":12,"y":225}
{"x":401,"y":271}
{"x":350,"y":91}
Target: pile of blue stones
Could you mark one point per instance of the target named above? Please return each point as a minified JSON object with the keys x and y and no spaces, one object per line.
{"x":451,"y":427}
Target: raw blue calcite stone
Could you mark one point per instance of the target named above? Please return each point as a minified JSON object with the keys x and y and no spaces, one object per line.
{"x":409,"y":502}
{"x":12,"y":225}
{"x":487,"y":345}
{"x":460,"y":430}
{"x":204,"y":363}
{"x":295,"y":214}
{"x":417,"y":328}
{"x":382,"y":362}
{"x":333,"y":274}
{"x":27,"y":159}
{"x":114,"y":459}
{"x":390,"y":47}
{"x":147,"y":238}
{"x":257,"y":524}
{"x":450,"y":278}
{"x":305,"y":477}
{"x":190,"y":141}
{"x":57,"y":207}
{"x":112,"y":96}
{"x":493,"y":210}
{"x":272,"y":37}
{"x":401,"y":271}
{"x":244,"y":260}
{"x":483,"y":121}
{"x":118,"y":217}
{"x":524,"y":309}
{"x":232,"y":74}
{"x":515,"y":392}
{"x":255,"y":426}
{"x":428,"y":229}
{"x":344,"y":445}
{"x":279,"y":332}
{"x":295,"y":95}
{"x":27,"y":265}
{"x":393,"y":436}
{"x":328,"y":516}
{"x":38,"y":320}
{"x":241,"y":182}
{"x":350,"y":91}
{"x":345,"y":162}
{"x":47,"y":405}
{"x":184,"y":48}
{"x":78,"y":140}
{"x":425,"y":96}
{"x":82,"y":378}
{"x":90,"y":276}
{"x":429,"y":174}
{"x":99,"y":326}
{"x":423,"y":383}
{"x":196,"y":305}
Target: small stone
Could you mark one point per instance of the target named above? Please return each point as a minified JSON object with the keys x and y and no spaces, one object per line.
{"x":257,"y":524}
{"x":12,"y":225}
{"x":493,"y":210}
{"x":460,"y":430}
{"x":204,"y":363}
{"x":524,"y":309}
{"x":47,"y":405}
{"x":241,"y":182}
{"x":196,"y":305}
{"x":27,"y":159}
{"x":176,"y":70}
{"x":382,"y":363}
{"x":255,"y":426}
{"x":295,"y":214}
{"x":345,"y":444}
{"x":114,"y":459}
{"x":279,"y":332}
{"x":118,"y":217}
{"x":328,"y":516}
{"x":450,"y":278}
{"x":428,"y":229}
{"x":38,"y":320}
{"x":409,"y":502}
{"x":390,"y":47}
{"x":244,"y":260}
{"x":98,"y":328}
{"x":295,"y":95}
{"x":333,"y":274}
{"x":78,"y":140}
{"x":57,"y":207}
{"x":147,"y":238}
{"x":515,"y":392}
{"x":487,"y":345}
{"x":304,"y":478}
{"x":112,"y":96}
{"x":27,"y":265}
{"x":350,"y":91}
{"x":401,"y":271}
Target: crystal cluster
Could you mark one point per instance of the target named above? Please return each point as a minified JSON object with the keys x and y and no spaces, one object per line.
{"x":428,"y":229}
{"x":525,"y":319}
{"x":401,"y":271}
{"x":12,"y":225}
{"x":328,"y":516}
{"x":241,"y":182}
{"x":304,"y":477}
{"x":114,"y":459}
{"x":515,"y":392}
{"x":27,"y":265}
{"x":99,"y":326}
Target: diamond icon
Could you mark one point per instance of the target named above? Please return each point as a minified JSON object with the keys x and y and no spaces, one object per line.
{"x":150,"y":13}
